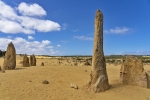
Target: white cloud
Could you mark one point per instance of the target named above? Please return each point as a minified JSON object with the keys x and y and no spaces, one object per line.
{"x":31,"y":9}
{"x":83,"y":38}
{"x":7,"y":11}
{"x":11,"y":22}
{"x":58,"y":45}
{"x":7,"y":26}
{"x":39,"y":25}
{"x":118,"y":30}
{"x":46,"y":42}
{"x":30,"y":38}
{"x":49,"y":47}
{"x":64,"y":26}
{"x":23,"y":46}
{"x":4,"y":42}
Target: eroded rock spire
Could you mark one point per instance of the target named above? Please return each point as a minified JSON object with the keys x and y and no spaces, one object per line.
{"x":99,"y":78}
{"x":10,"y":57}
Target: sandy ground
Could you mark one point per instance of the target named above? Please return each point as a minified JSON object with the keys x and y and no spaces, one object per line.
{"x":25,"y":83}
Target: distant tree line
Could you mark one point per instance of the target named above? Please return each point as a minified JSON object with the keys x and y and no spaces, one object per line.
{"x":2,"y":53}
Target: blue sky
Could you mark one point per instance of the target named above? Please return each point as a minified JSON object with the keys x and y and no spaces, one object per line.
{"x":66,"y":27}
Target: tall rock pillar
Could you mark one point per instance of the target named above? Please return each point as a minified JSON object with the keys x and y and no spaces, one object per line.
{"x":10,"y":57}
{"x":99,"y":78}
{"x":32,"y":60}
{"x":26,"y":61}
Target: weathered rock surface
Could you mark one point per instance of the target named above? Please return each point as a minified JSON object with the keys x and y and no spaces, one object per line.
{"x":32,"y":60}
{"x":25,"y":61}
{"x":143,"y":80}
{"x":132,"y":73}
{"x":99,"y":78}
{"x":148,"y":78}
{"x":10,"y":57}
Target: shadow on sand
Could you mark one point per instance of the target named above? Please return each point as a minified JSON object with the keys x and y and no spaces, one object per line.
{"x":116,"y":84}
{"x":20,"y":68}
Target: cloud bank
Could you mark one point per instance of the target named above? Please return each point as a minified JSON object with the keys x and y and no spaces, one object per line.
{"x":26,"y":18}
{"x":29,"y":47}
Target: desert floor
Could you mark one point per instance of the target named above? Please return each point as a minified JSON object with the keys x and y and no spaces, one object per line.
{"x":25,"y":83}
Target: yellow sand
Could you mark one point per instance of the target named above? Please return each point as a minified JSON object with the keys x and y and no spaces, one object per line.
{"x":25,"y":83}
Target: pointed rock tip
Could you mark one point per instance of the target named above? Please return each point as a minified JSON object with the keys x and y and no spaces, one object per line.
{"x":10,"y":44}
{"x":98,"y":12}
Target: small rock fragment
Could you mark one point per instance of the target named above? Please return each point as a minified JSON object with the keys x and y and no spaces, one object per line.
{"x":74,"y":86}
{"x":45,"y":82}
{"x":71,"y":85}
